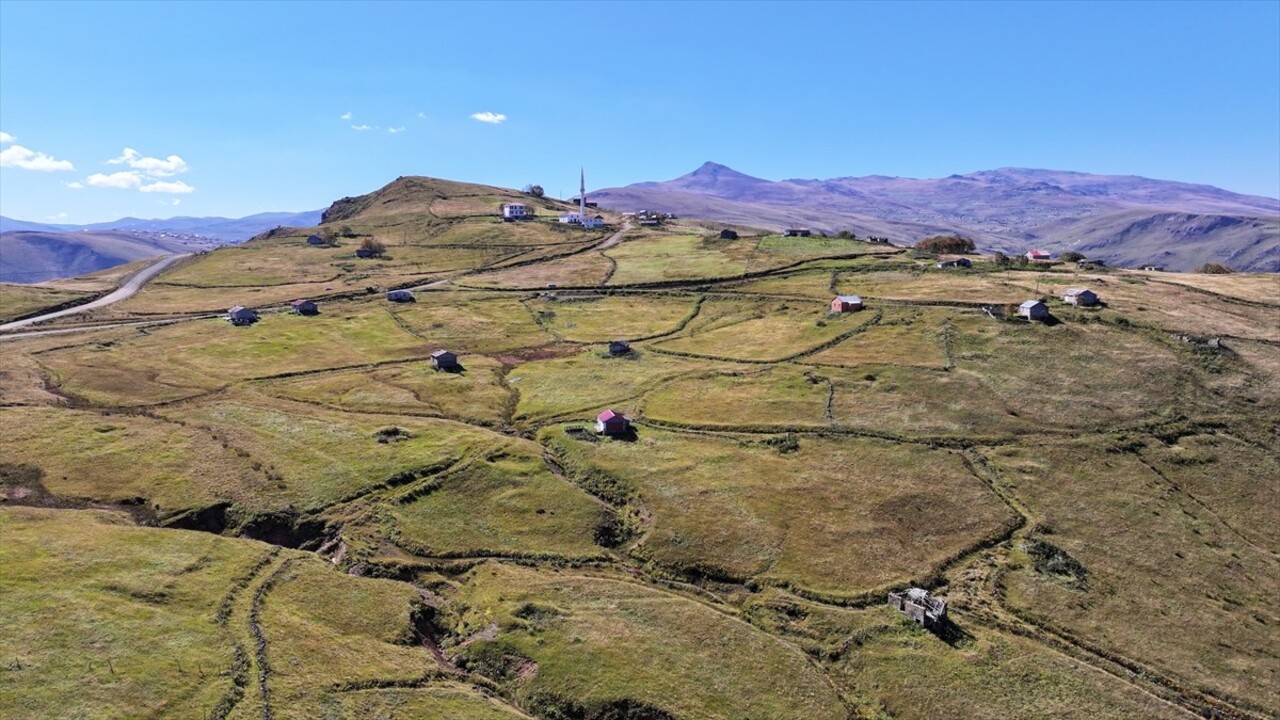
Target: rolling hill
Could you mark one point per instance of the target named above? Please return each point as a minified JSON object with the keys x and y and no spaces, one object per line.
{"x":1122,"y":220}
{"x":305,"y":517}
{"x":35,"y":252}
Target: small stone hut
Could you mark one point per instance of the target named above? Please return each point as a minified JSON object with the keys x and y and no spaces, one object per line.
{"x":240,"y":315}
{"x":1083,"y":297}
{"x":916,"y":603}
{"x":305,"y":307}
{"x":619,"y":347}
{"x":400,"y":296}
{"x":444,"y":360}
{"x":1033,"y":310}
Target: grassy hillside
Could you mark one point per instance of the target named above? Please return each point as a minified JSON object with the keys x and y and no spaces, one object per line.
{"x":305,"y":518}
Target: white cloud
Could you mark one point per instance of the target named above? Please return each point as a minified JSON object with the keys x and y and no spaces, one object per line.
{"x":6,"y":137}
{"x":345,"y":116}
{"x":123,"y":180}
{"x":177,"y":187}
{"x":20,"y":157}
{"x":363,"y":128}
{"x":153,"y":167}
{"x":422,"y":116}
{"x":396,"y":129}
{"x":75,"y":185}
{"x":59,"y":216}
{"x":489,"y":117}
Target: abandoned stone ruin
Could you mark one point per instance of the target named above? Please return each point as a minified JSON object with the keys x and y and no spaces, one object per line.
{"x":916,"y":603}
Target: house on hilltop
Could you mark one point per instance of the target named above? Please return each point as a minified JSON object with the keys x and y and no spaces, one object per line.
{"x":797,"y":232}
{"x":514,"y":211}
{"x":612,"y":423}
{"x":444,"y":360}
{"x":305,"y":307}
{"x":925,"y":610}
{"x":1082,"y":297}
{"x":1033,"y":310}
{"x":846,"y":303}
{"x":954,"y":263}
{"x":240,"y":315}
{"x":1039,"y":255}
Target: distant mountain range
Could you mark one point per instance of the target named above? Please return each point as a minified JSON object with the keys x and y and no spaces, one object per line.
{"x":1122,"y":220}
{"x":37,"y":252}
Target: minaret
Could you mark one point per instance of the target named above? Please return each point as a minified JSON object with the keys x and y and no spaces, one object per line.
{"x":582,"y":194}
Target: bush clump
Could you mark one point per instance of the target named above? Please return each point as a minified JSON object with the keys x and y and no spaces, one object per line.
{"x":953,"y":244}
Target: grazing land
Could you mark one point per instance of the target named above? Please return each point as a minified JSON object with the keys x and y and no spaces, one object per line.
{"x":305,"y":517}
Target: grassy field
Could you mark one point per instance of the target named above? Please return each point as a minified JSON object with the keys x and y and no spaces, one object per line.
{"x":836,"y":515}
{"x":475,"y":395}
{"x":1147,"y":547}
{"x":1095,"y":495}
{"x":128,"y":630}
{"x":585,"y":381}
{"x":602,"y":318}
{"x":18,"y":301}
{"x":504,"y":502}
{"x":764,"y":330}
{"x":598,"y":643}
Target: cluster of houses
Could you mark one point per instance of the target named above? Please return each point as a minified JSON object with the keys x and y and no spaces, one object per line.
{"x":1037,"y":310}
{"x":797,"y":232}
{"x":648,"y":218}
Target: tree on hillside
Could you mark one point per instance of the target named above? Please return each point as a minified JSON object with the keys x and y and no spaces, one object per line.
{"x":374,"y":246}
{"x":847,"y":235}
{"x":534,"y":190}
{"x":1001,"y":260}
{"x":329,"y":237}
{"x":1071,"y":256}
{"x":346,"y":231}
{"x":946,"y":244}
{"x":1215,"y":269}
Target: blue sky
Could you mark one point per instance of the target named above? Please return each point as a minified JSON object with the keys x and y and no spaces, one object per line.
{"x":234,"y":108}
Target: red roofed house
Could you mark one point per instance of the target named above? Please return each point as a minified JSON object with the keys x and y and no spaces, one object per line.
{"x":1039,"y":255}
{"x":611,"y":423}
{"x":846,"y":303}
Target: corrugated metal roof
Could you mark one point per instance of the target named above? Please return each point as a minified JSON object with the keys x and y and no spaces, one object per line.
{"x":849,"y":298}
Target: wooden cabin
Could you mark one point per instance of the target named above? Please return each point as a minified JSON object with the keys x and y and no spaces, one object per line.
{"x":444,"y":360}
{"x":612,"y":423}
{"x":846,"y":303}
{"x":1033,"y":310}
{"x":1082,"y":297}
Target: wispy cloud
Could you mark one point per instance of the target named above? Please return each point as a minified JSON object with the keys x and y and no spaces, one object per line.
{"x":422,"y":116}
{"x":59,"y":216}
{"x":123,"y":180}
{"x":176,"y":187}
{"x":363,"y":128}
{"x":20,"y":157}
{"x":345,"y":116}
{"x":395,"y":129}
{"x":7,"y":138}
{"x":173,"y":202}
{"x":75,"y":185}
{"x":492,"y":118}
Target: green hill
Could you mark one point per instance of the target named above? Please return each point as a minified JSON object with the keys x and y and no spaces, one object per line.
{"x":304,"y":518}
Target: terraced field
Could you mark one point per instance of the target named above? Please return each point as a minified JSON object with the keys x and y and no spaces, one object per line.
{"x":305,"y":518}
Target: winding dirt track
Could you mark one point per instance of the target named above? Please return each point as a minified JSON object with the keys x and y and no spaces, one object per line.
{"x":126,"y":290}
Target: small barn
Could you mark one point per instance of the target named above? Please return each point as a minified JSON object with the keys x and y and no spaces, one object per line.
{"x":1033,"y":310}
{"x":315,"y":240}
{"x":305,"y":307}
{"x":514,"y":211}
{"x":365,"y":252}
{"x":612,"y":423}
{"x":954,"y":263}
{"x":240,"y":315}
{"x":400,"y":296}
{"x":728,"y":234}
{"x":1083,"y":297}
{"x":619,"y":347}
{"x":846,"y":303}
{"x":916,"y":603}
{"x":1039,"y":255}
{"x":798,"y":232}
{"x":444,"y":360}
